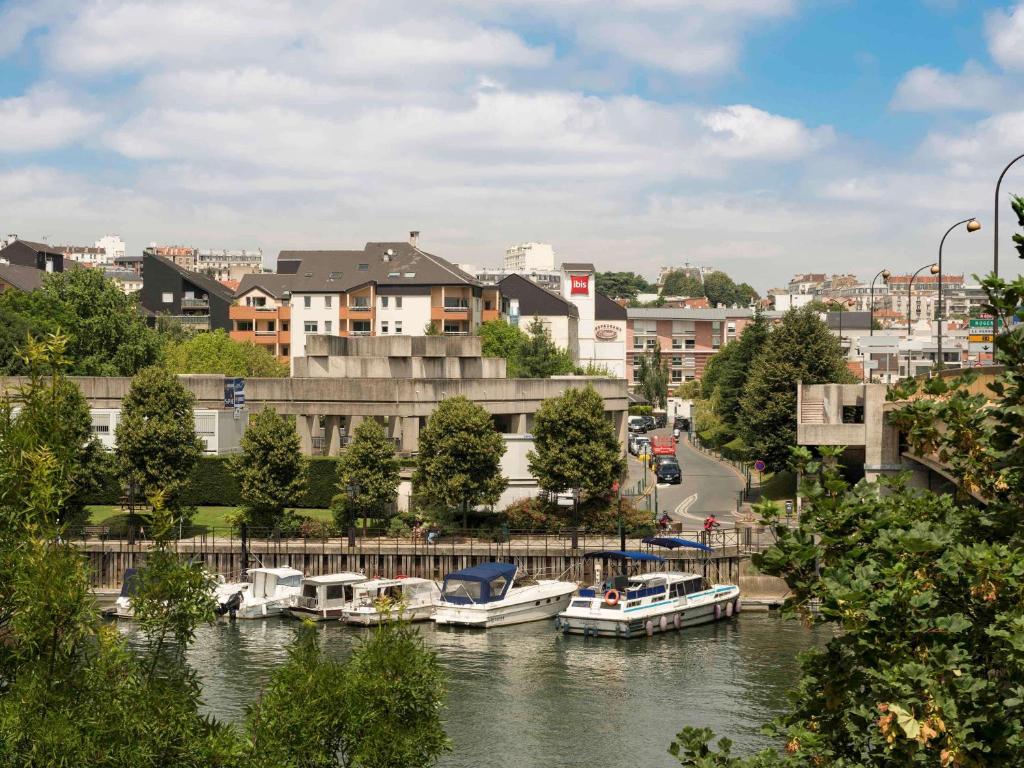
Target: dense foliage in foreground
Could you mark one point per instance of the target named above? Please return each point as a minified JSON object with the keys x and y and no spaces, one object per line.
{"x":926,"y":590}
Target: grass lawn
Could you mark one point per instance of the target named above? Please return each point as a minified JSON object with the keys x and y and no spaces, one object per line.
{"x":779,"y":486}
{"x":211,"y":517}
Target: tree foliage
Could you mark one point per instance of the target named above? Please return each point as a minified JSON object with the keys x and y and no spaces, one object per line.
{"x":741,"y":357}
{"x":106,"y":335}
{"x":157,"y":445}
{"x":459,"y":463}
{"x":216,"y":352}
{"x":679,"y":283}
{"x":272,"y":473}
{"x":652,"y":377}
{"x":621,"y":285}
{"x":575,"y":445}
{"x":925,"y":590}
{"x":540,"y":357}
{"x":502,"y":339}
{"x":369,"y":463}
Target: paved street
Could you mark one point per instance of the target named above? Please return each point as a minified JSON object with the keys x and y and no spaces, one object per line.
{"x":708,"y":486}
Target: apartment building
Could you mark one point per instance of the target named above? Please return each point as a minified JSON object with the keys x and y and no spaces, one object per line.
{"x":261,"y":313}
{"x":26,"y":253}
{"x":530,"y":257}
{"x":386,"y":289}
{"x":196,"y":301}
{"x":220,"y":264}
{"x":523,"y":301}
{"x":687,"y":337}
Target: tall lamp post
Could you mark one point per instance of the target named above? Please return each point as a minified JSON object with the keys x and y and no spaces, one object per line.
{"x":995,"y":218}
{"x":934,"y":268}
{"x":973,"y":225}
{"x":884,"y":274}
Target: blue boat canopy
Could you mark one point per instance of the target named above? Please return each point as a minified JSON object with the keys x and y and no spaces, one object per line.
{"x":482,"y":583}
{"x":624,"y":554}
{"x":671,"y":542}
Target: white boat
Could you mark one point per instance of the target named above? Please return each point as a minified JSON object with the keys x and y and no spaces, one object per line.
{"x":268,"y":592}
{"x":489,"y":595}
{"x":412,"y":599}
{"x":324,"y":598}
{"x":123,"y":608}
{"x":646,"y":603}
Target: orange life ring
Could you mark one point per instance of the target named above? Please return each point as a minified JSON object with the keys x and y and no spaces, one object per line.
{"x":611,"y":597}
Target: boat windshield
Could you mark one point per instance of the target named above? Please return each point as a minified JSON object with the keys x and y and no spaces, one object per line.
{"x":290,"y":581}
{"x":462,"y":588}
{"x":309,"y":590}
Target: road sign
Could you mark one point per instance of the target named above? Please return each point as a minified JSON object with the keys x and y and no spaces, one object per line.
{"x":789,"y":507}
{"x":981,"y":322}
{"x":980,"y":338}
{"x":759,"y":465}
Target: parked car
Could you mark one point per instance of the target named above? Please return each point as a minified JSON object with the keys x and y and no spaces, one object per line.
{"x":637,"y":424}
{"x":660,"y":420}
{"x":682,"y":423}
{"x":669,"y":471}
{"x":649,"y":422}
{"x":639,"y":445}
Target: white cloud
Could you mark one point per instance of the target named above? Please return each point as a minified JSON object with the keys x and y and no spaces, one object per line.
{"x":926,"y":89}
{"x":1006,"y":37}
{"x":40,"y":120}
{"x":744,"y":132}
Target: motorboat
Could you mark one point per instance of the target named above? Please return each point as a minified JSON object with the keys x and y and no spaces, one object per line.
{"x":122,"y":607}
{"x":324,"y":598}
{"x":631,"y":606}
{"x":268,"y":592}
{"x":495,"y":595}
{"x":410,"y":599}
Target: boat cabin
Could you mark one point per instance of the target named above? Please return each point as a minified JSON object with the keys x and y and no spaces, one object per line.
{"x":408,"y":590}
{"x":485,"y":583}
{"x":266,"y":582}
{"x":334,"y":590}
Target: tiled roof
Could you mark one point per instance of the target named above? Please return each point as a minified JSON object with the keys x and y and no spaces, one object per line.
{"x":23,"y":278}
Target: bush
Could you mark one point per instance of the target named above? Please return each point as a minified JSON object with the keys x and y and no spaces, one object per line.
{"x":641,"y":410}
{"x":600,"y":516}
{"x":399,"y":528}
{"x":530,"y":515}
{"x":323,"y":482}
{"x":211,"y":484}
{"x":737,"y":450}
{"x":310,"y":528}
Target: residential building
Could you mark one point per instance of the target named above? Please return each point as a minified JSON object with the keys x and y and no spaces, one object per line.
{"x":197,"y":301}
{"x":529,"y":257}
{"x":220,"y":264}
{"x":783,"y":302}
{"x":545,"y":278}
{"x":697,"y":273}
{"x":806,"y":283}
{"x":26,"y":253}
{"x":127,"y":280}
{"x":14,"y":277}
{"x":86,"y":255}
{"x":113,"y":248}
{"x":132,"y":263}
{"x":219,"y":430}
{"x":523,"y":301}
{"x":261,"y":313}
{"x":602,"y":322}
{"x":181,"y":255}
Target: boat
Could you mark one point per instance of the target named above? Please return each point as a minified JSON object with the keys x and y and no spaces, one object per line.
{"x":630,"y":606}
{"x":122,"y":607}
{"x":324,"y":598}
{"x":410,"y":599}
{"x":495,"y":595}
{"x":268,"y":592}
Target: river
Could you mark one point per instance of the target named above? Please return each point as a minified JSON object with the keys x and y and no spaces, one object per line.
{"x":526,"y":696}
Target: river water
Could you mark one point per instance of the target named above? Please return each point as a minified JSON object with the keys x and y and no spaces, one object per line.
{"x":525,"y":696}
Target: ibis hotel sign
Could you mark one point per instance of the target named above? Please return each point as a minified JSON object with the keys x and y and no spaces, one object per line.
{"x":579,"y":285}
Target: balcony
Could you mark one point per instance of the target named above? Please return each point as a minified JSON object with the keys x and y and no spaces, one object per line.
{"x":195,"y":303}
{"x":193,"y":322}
{"x":264,"y":332}
{"x":359,"y":308}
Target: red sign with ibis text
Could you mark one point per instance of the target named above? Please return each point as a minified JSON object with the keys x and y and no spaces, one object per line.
{"x":580,"y":285}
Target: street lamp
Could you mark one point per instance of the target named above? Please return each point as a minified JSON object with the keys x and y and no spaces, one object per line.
{"x":934,"y":268}
{"x":995,"y":219}
{"x":973,"y":225}
{"x":884,"y":274}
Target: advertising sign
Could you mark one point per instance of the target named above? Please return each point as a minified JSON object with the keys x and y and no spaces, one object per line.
{"x":606,"y":332}
{"x":580,"y":285}
{"x":980,"y":338}
{"x":234,"y":393}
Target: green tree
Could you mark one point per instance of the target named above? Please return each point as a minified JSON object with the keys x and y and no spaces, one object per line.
{"x":745,"y":295}
{"x":368,"y":464}
{"x":720,"y":289}
{"x":14,"y":330}
{"x":106,"y":335}
{"x":652,"y":376}
{"x":621,"y":285}
{"x":157,"y":445}
{"x":459,"y":463}
{"x":271,"y":471}
{"x":431,"y":329}
{"x":501,"y":339}
{"x":736,"y":370}
{"x":541,"y":358}
{"x":216,"y":352}
{"x":575,"y":445}
{"x":679,"y":283}
{"x":689,"y":390}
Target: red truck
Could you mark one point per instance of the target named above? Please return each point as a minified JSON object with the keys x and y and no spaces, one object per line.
{"x":662,"y":446}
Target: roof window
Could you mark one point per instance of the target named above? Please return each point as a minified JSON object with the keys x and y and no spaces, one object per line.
{"x":394,"y":274}
{"x":410,"y":274}
{"x":363,"y":267}
{"x":334,"y":276}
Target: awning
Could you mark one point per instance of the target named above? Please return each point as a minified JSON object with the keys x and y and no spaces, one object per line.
{"x":622,"y":554}
{"x":671,"y":542}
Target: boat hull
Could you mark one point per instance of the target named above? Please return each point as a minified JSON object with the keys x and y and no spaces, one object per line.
{"x":668,"y":618}
{"x":314,"y":614}
{"x":536,"y":606}
{"x":261,"y":610}
{"x":372,"y":616}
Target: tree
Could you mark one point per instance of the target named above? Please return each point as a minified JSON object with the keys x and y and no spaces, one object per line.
{"x":459,"y":463}
{"x":14,"y":330}
{"x":621,"y":285}
{"x":720,"y":289}
{"x":541,"y":359}
{"x":157,"y":445}
{"x":689,"y":390}
{"x":431,"y":329}
{"x":799,"y":349}
{"x":368,"y":464}
{"x":736,"y":369}
{"x":575,"y":445}
{"x":925,"y":665}
{"x":271,"y":470}
{"x":106,"y":335}
{"x":501,"y":339}
{"x":653,"y":378}
{"x":680,"y":283}
{"x":745,"y":295}
{"x":216,"y":352}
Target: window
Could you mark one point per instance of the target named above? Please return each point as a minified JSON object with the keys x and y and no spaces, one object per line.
{"x":327,"y":326}
{"x":677,"y":360}
{"x":716,"y":342}
{"x":498,"y":586}
{"x":677,"y":343}
{"x":384,"y":302}
{"x":394,"y":274}
{"x":384,"y":326}
{"x":677,"y":376}
{"x":243,"y":325}
{"x":689,"y":362}
{"x":410,"y":274}
{"x":361,"y":328}
{"x":363,"y":267}
{"x":284,"y":325}
{"x":398,"y":302}
{"x":206,"y":424}
{"x":398,"y":326}
{"x":101,"y":424}
{"x":691,"y":344}
{"x":360,"y":302}
{"x":284,"y":350}
{"x":307,"y":301}
{"x":487,"y":305}
{"x":168,"y":298}
{"x":462,"y":588}
{"x":452,"y":328}
{"x":327,"y":301}
{"x":310,"y":326}
{"x":339,"y":592}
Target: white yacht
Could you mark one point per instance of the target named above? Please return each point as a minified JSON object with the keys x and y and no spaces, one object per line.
{"x":410,"y":598}
{"x":268,"y":592}
{"x":489,"y":595}
{"x":646,"y":603}
{"x":123,"y":608}
{"x":324,"y":598}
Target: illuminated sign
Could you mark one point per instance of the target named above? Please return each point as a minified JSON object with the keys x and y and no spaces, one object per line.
{"x":580,"y":285}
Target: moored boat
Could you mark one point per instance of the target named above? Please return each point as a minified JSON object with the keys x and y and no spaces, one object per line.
{"x":268,"y":592}
{"x":494,"y":595}
{"x":324,"y":598}
{"x":411,"y":599}
{"x":630,"y":606}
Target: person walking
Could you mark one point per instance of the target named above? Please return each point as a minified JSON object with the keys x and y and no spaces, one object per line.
{"x":710,"y":523}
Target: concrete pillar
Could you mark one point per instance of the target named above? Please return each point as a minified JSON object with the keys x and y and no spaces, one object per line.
{"x":411,"y":434}
{"x":621,"y":420}
{"x":519,"y":421}
{"x":304,"y":426}
{"x":332,"y":437}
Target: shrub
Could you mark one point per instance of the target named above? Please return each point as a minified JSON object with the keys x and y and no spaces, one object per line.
{"x":399,"y":528}
{"x":641,"y":410}
{"x":323,"y":482}
{"x":311,"y":528}
{"x":530,"y":515}
{"x":737,"y":450}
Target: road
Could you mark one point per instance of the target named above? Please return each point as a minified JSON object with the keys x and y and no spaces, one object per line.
{"x":708,"y":486}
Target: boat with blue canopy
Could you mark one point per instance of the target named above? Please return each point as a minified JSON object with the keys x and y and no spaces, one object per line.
{"x":497,"y":594}
{"x":630,"y":605}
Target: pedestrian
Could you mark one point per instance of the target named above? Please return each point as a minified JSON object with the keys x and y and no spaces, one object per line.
{"x":665,"y":521}
{"x":710,"y":523}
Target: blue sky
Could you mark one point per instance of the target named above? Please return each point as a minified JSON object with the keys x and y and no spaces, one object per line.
{"x":763,"y":137}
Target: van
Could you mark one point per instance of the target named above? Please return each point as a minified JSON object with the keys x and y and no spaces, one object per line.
{"x":637,"y":424}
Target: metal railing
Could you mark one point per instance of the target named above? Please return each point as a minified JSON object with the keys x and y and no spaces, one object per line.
{"x":195,"y":303}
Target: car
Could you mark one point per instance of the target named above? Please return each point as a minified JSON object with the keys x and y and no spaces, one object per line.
{"x":682,"y":423}
{"x":669,"y":471}
{"x":660,"y":420}
{"x":649,"y":422}
{"x":639,"y":445}
{"x":637,"y":424}
{"x":658,"y":459}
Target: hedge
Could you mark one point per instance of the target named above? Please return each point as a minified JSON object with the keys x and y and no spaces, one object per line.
{"x":213,"y":485}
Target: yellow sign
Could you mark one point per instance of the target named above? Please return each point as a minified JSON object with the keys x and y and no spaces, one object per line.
{"x":980,"y":339}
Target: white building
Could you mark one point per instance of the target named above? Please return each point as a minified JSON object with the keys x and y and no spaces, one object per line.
{"x":530,"y":257}
{"x":220,"y":431}
{"x":602,"y":322}
{"x":113,"y":248}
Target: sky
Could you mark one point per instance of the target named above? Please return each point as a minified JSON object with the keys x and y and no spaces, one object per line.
{"x":761,"y":137}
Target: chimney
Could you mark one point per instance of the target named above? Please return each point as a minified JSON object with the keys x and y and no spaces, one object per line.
{"x":414,"y":238}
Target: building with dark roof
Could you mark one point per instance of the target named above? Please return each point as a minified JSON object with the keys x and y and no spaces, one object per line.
{"x":18,"y":278}
{"x":196,"y":301}
{"x":25,"y":253}
{"x":523,"y":302}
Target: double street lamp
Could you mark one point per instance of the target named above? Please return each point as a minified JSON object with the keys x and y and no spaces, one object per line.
{"x":884,"y":274}
{"x":973,"y":225}
{"x":934,"y":269}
